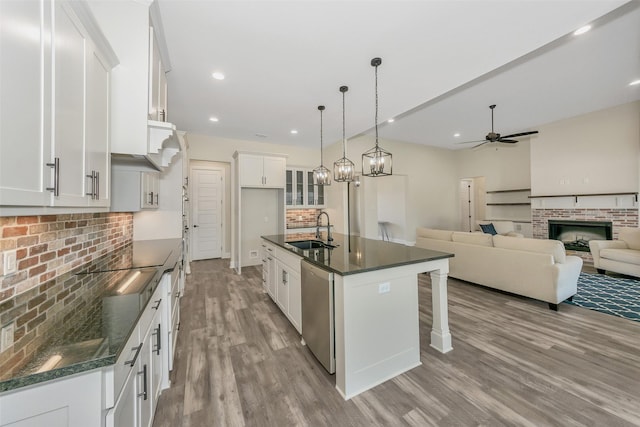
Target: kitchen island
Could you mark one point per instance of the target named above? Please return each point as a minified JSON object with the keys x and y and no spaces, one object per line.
{"x":376,"y":313}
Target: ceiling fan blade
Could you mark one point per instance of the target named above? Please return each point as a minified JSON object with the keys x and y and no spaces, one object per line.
{"x":508,"y":141}
{"x":515,"y":135}
{"x":472,"y":142}
{"x":480,"y":145}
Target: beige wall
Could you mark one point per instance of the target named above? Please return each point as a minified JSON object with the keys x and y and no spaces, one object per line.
{"x":431,"y":186}
{"x":593,"y":153}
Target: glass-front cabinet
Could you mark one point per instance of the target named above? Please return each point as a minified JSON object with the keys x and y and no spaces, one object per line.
{"x":300,"y":191}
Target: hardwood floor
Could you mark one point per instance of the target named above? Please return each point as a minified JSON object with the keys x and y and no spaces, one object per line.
{"x":514,"y":363}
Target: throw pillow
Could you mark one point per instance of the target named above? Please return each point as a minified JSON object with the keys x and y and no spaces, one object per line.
{"x":488,"y":229}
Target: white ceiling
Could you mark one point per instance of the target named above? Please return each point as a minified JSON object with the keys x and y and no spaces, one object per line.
{"x":443,"y":64}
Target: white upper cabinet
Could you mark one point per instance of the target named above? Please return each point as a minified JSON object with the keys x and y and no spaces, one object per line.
{"x":300,"y":191}
{"x":25,"y":104}
{"x":139,"y":86}
{"x":55,"y":105}
{"x":265,"y":171}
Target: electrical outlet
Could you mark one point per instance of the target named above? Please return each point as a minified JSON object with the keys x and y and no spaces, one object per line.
{"x":385,"y":287}
{"x":9,"y":263}
{"x":253,"y":254}
{"x":6,"y":336}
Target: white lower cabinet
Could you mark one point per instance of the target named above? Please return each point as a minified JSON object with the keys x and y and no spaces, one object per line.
{"x":282,"y":281}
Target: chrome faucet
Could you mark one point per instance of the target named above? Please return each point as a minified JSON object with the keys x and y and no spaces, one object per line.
{"x":329,"y":238}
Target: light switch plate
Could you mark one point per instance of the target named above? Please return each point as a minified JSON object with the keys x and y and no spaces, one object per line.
{"x":385,"y":287}
{"x":10,"y":262}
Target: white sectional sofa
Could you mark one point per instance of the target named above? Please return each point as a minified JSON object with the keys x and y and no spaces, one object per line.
{"x":619,"y":256}
{"x":534,"y":268}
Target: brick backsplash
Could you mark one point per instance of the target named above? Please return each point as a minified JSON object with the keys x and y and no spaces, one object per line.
{"x":50,"y":245}
{"x":300,"y":218}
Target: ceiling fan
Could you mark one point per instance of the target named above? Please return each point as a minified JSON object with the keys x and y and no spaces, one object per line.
{"x":496,"y":137}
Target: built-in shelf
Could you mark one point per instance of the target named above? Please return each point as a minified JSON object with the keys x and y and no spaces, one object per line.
{"x":523,"y":221}
{"x":509,"y":204}
{"x":517,"y":190}
{"x":586,"y":195}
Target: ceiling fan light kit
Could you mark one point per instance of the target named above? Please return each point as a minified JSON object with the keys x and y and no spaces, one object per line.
{"x":321,"y":175}
{"x":377,"y":161}
{"x":344,"y":169}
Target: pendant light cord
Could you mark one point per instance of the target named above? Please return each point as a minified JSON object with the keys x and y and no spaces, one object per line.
{"x":376,"y":106}
{"x":321,"y":155}
{"x":344,"y":155}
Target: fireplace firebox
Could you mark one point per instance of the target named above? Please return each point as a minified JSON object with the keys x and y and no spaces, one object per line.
{"x":576,"y":234}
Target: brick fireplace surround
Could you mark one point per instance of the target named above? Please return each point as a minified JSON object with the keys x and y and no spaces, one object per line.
{"x":620,"y":217}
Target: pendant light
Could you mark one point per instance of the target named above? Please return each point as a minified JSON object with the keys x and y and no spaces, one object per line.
{"x":343,"y":169}
{"x":321,"y":175}
{"x":376,"y":161}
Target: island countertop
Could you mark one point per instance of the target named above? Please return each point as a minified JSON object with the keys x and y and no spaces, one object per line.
{"x":353,"y":255}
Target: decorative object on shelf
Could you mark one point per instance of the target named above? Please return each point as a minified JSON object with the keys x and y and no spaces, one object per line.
{"x":496,"y":137}
{"x":321,"y":175}
{"x":377,"y":161}
{"x":343,"y":169}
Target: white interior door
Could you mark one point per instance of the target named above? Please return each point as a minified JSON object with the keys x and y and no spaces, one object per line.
{"x":206,"y":224}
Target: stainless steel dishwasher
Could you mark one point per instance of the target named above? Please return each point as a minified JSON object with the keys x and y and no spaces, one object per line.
{"x":318,"y":314}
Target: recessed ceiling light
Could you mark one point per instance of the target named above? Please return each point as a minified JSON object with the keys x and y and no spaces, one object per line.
{"x":213,"y":119}
{"x":582,"y":30}
{"x":635,"y":82}
{"x":217,"y":75}
{"x":293,"y":131}
{"x":391,"y":120}
{"x":456,"y":135}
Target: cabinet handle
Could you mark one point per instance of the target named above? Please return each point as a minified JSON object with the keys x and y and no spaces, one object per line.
{"x":158,"y":339}
{"x":157,"y":199}
{"x":285,"y":277}
{"x":155,"y":307}
{"x":144,"y":382}
{"x":135,"y":356}
{"x":94,"y":185}
{"x":97,"y":191}
{"x":151,"y":198}
{"x":162,"y":114}
{"x":56,"y":176}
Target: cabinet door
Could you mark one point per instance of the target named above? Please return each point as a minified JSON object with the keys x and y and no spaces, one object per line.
{"x":320,"y":196}
{"x":295,"y":300}
{"x":97,"y":131}
{"x":155,"y":74}
{"x":274,"y":171}
{"x":143,"y":385}
{"x":288,"y":190}
{"x":158,"y":345}
{"x":310,"y":194}
{"x":25,"y":104}
{"x":125,"y":412}
{"x":251,"y":170}
{"x":299,"y":185}
{"x":69,"y":107}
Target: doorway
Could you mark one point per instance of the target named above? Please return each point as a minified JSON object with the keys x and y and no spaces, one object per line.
{"x":472,"y":202}
{"x":207,"y":213}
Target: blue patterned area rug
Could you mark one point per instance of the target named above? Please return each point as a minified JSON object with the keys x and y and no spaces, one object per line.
{"x":611,"y":295}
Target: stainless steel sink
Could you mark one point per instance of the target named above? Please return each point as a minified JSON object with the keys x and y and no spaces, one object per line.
{"x":307,"y":244}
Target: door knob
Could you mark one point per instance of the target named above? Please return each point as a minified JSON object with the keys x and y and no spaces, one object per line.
{"x":195,"y":226}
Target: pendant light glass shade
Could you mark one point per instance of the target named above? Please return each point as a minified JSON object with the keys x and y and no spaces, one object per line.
{"x":321,"y":175}
{"x":343,"y":169}
{"x":377,"y":161}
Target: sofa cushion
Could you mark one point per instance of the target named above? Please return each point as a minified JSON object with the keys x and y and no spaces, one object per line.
{"x":628,"y":256}
{"x":631,"y":236}
{"x":488,"y":229}
{"x":551,"y":247}
{"x":472,"y":238}
{"x":431,"y":233}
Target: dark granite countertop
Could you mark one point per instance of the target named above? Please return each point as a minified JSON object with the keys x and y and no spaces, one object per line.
{"x":96,"y":320}
{"x":357,"y":254}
